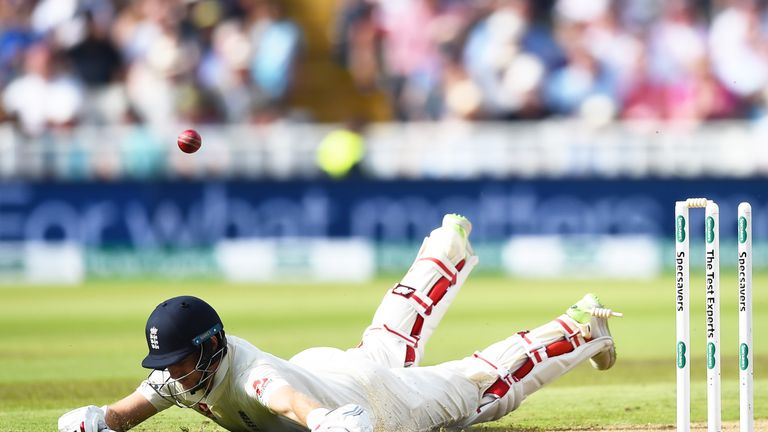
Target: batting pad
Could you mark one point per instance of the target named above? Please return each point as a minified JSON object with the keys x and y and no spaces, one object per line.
{"x":516,"y":367}
{"x":413,"y":308}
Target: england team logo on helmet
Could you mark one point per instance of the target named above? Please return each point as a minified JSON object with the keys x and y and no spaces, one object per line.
{"x":153,"y":338}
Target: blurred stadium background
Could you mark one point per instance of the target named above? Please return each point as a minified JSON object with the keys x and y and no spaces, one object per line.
{"x":337,"y":132}
{"x":335,"y":135}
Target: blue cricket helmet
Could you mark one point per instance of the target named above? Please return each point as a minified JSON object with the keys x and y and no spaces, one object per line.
{"x":177,"y":328}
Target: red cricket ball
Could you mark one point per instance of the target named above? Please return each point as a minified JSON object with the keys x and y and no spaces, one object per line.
{"x":189,"y":141}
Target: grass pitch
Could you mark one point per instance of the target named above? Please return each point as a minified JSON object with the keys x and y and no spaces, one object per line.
{"x":62,"y":348}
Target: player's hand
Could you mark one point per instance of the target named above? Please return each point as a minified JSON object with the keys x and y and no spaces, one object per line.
{"x":346,"y":418}
{"x":86,"y":419}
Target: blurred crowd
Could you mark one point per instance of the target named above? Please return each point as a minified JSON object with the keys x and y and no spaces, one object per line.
{"x":529,"y":59}
{"x":67,"y":62}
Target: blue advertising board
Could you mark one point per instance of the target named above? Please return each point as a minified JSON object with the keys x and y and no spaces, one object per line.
{"x":188,"y":214}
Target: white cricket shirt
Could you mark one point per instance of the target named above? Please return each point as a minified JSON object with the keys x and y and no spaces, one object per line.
{"x":414,"y":399}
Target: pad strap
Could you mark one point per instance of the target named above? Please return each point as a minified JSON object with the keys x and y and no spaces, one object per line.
{"x":444,"y":267}
{"x":572,"y":335}
{"x":535,"y":348}
{"x":410,"y":341}
{"x":422,"y":304}
{"x":501,"y":386}
{"x":537,"y":352}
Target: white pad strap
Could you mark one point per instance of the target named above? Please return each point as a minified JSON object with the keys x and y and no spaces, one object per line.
{"x":571,"y":332}
{"x":422,"y":304}
{"x":503,"y":373}
{"x":534,"y":347}
{"x":409,"y":340}
{"x":443,"y":266}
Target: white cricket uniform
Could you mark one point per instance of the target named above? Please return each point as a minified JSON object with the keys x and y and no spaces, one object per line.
{"x":403,"y":399}
{"x":478,"y":388}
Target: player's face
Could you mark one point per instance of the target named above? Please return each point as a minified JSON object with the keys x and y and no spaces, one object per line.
{"x":185,"y":372}
{"x":190,"y":375}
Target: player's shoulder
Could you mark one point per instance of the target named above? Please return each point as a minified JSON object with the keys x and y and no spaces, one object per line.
{"x":237,"y":342}
{"x":245,"y":356}
{"x":241,"y":345}
{"x":257,"y":372}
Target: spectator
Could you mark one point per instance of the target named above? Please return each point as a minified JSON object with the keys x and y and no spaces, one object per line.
{"x":16,"y":37}
{"x":143,"y":154}
{"x":739,"y":48}
{"x":46,"y":94}
{"x":701,"y":96}
{"x":411,"y":58}
{"x":462,"y":98}
{"x":509,"y":78}
{"x":644,"y":98}
{"x":583,"y":82}
{"x":676,"y":44}
{"x":275,"y":40}
{"x":99,"y":65}
{"x":614,"y":47}
{"x":356,"y":43}
{"x":55,"y":16}
{"x":149,"y":37}
{"x":581,"y":11}
{"x":224,"y":71}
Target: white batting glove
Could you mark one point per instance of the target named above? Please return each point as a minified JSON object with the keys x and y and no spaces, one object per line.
{"x":346,"y":418}
{"x":86,"y":419}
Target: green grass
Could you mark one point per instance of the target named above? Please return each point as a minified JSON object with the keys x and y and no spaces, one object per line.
{"x":61,"y":348}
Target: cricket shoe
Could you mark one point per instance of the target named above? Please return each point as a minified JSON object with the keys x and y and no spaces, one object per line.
{"x":593,"y":317}
{"x":450,"y":239}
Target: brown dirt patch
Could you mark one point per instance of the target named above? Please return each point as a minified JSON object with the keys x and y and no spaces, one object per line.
{"x":760,"y":426}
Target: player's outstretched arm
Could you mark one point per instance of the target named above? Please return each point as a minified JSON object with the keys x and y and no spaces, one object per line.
{"x":117,"y":417}
{"x":291,"y":403}
{"x":306,"y":410}
{"x":129,"y":412}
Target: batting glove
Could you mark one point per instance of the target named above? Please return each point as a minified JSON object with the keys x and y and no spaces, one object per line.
{"x":86,"y":419}
{"x":347,"y":418}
